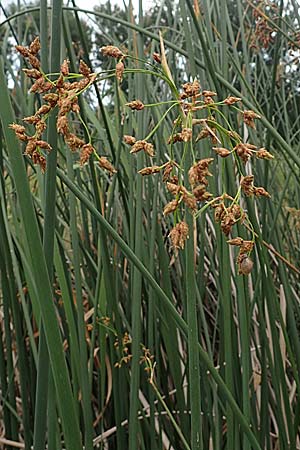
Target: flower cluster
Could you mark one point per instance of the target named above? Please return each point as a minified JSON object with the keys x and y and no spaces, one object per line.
{"x":195,"y":197}
{"x":60,"y":95}
{"x":263,"y":33}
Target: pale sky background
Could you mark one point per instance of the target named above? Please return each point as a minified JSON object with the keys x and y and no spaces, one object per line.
{"x":88,"y":4}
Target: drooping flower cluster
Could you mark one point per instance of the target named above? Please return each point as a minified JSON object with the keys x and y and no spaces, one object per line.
{"x":228,"y":210}
{"x":60,"y":95}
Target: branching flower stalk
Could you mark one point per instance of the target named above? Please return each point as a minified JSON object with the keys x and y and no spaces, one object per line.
{"x":59,"y":95}
{"x":192,"y":103}
{"x":196,"y":107}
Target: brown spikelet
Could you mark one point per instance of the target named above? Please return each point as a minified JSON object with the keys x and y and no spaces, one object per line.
{"x":112,"y":51}
{"x":119,"y":71}
{"x":74,"y":142}
{"x":149,"y":170}
{"x":231,"y":100}
{"x":35,"y":46}
{"x":262,"y":153}
{"x":130,"y":140}
{"x":223,"y":152}
{"x":136,"y":105}
{"x":34,"y":61}
{"x":179,"y":234}
{"x":105,"y":164}
{"x":44,"y":145}
{"x":44,"y":109}
{"x":23,"y":50}
{"x":249,"y":117}
{"x":143,"y":145}
{"x":84,"y":69}
{"x":64,"y":68}
{"x":170,"y":207}
{"x":156,"y":57}
{"x":51,"y":99}
{"x":85,"y":153}
{"x":62,"y":125}
{"x":32,"y":73}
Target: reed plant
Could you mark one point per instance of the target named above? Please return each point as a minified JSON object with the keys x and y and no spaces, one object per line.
{"x":149,"y":253}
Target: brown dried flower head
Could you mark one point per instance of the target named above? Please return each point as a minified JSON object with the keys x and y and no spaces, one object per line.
{"x":170,"y":207}
{"x":32,"y":73}
{"x":86,"y":152}
{"x":249,"y":117}
{"x":247,"y":184}
{"x":130,"y":140}
{"x":120,"y":70}
{"x":186,"y":134}
{"x":64,"y":68}
{"x":221,"y":151}
{"x":245,"y":264}
{"x":35,"y":46}
{"x":84,"y":69}
{"x":149,"y":170}
{"x":136,"y":105}
{"x":74,"y":142}
{"x":209,"y":93}
{"x":262,"y":153}
{"x":156,"y":57}
{"x":105,"y":164}
{"x":244,"y":151}
{"x":179,"y":234}
{"x":260,"y":192}
{"x":190,"y":89}
{"x":143,"y":145}
{"x":230,"y":100}
{"x":111,"y":50}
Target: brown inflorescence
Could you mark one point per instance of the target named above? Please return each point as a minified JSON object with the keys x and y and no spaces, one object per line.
{"x":64,"y":95}
{"x":179,"y":234}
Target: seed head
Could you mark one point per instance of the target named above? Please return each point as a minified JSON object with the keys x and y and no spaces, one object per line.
{"x":190,"y":89}
{"x":179,"y":234}
{"x":260,"y":192}
{"x":32,"y":73}
{"x":130,"y":140}
{"x":111,"y":50}
{"x":51,"y":99}
{"x":223,"y":152}
{"x":85,"y":153}
{"x":136,"y":105}
{"x":35,"y":46}
{"x":249,"y":117}
{"x":64,"y":68}
{"x":62,"y":125}
{"x":238,"y":241}
{"x":34,"y":61}
{"x":44,"y":145}
{"x":74,"y":142}
{"x":149,"y":170}
{"x":84,"y":69}
{"x":247,"y":185}
{"x":38,"y":158}
{"x":170,"y":207}
{"x":105,"y":164}
{"x":119,"y":71}
{"x":231,"y":100}
{"x":209,"y":93}
{"x":262,"y":153}
{"x":245,"y":265}
{"x":143,"y":145}
{"x":156,"y":57}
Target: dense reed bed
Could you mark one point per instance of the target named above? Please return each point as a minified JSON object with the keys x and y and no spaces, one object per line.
{"x":149,"y":219}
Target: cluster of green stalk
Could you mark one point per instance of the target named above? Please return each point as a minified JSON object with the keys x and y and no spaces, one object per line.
{"x":107,"y":339}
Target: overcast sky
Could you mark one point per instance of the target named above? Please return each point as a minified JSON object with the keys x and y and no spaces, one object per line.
{"x":87,"y":4}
